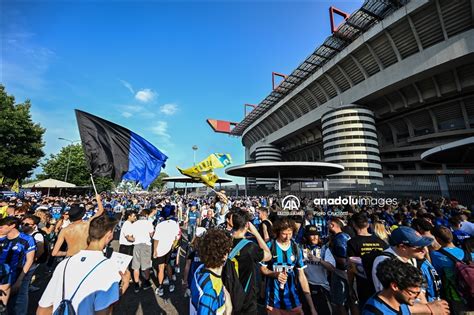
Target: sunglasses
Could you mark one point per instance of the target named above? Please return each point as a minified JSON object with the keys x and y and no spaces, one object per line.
{"x":26,"y":224}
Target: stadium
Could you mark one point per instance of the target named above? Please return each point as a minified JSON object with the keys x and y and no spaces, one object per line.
{"x":393,"y":81}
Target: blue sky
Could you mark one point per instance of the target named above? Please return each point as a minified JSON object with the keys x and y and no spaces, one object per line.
{"x":159,"y":68}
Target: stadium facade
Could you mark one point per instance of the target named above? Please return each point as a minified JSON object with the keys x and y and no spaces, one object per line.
{"x":395,"y":79}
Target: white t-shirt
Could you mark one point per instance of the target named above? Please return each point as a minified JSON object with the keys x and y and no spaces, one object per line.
{"x":377,"y":284}
{"x":98,"y":291}
{"x":125,"y":230}
{"x":165,"y":233}
{"x":220,"y":218}
{"x":141,"y":230}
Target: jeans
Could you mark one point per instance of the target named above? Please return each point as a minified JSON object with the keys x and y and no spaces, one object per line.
{"x":191,"y":232}
{"x":18,"y":304}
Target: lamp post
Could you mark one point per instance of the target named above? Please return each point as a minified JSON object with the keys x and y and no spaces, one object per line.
{"x":195,"y":148}
{"x":68,"y":156}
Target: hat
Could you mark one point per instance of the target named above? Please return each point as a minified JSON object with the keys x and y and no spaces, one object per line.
{"x":408,"y":236}
{"x":311,"y":230}
{"x":76,"y":212}
{"x":200,"y":231}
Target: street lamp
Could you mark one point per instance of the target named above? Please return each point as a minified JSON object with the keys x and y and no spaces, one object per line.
{"x":195,"y":148}
{"x":68,"y":156}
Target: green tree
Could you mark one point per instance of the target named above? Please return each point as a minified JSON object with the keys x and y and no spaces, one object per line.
{"x":21,"y":140}
{"x":56,"y":165}
{"x":158,"y":183}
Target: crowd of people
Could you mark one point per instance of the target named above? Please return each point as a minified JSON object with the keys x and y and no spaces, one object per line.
{"x":241,"y":255}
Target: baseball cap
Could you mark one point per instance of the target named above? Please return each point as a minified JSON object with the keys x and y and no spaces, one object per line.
{"x":409,"y":236}
{"x":311,"y":230}
{"x":200,"y":231}
{"x":76,"y":212}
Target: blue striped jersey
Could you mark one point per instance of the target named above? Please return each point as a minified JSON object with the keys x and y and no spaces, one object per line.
{"x":285,"y":298}
{"x":14,"y":253}
{"x":322,"y":224}
{"x":207,"y":292}
{"x":376,"y":306}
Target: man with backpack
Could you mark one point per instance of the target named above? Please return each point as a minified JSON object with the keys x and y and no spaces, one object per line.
{"x":245,"y":256}
{"x":456,"y":270}
{"x":285,"y":273}
{"x":408,"y":246}
{"x":88,"y":282}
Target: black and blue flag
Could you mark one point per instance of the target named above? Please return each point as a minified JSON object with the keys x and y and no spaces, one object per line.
{"x":114,"y":151}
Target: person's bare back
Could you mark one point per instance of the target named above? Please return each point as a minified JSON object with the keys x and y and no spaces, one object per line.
{"x":75,"y":236}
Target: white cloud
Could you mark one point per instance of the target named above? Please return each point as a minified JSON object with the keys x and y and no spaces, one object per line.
{"x":128,"y":86}
{"x":134,"y":108}
{"x":161,"y":129}
{"x":127,"y":114}
{"x":145,"y":95}
{"x":169,"y":109}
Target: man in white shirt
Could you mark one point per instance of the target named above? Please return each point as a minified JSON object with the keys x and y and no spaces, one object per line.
{"x":100,"y":288}
{"x":221,"y":207}
{"x":126,"y":239}
{"x":166,"y":233}
{"x":142,"y":230}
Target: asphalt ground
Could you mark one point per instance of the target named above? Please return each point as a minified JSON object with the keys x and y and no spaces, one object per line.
{"x":144,"y":302}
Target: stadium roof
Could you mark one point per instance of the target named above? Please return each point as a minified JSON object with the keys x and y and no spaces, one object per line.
{"x":371,"y":12}
{"x":456,"y":152}
{"x":285,"y":169}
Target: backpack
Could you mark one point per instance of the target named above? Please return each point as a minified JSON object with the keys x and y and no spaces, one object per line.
{"x":368,"y":264}
{"x":230,"y":278}
{"x":464,"y":276}
{"x":46,"y":245}
{"x":65,"y":306}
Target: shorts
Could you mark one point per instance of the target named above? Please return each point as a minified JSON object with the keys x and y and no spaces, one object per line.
{"x":162,"y":259}
{"x":126,"y":249}
{"x":339,"y":292}
{"x":141,"y":257}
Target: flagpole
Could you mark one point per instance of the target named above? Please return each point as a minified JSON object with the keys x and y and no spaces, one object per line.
{"x":93,"y":185}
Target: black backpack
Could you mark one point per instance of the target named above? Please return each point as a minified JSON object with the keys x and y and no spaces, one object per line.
{"x":231,"y":281}
{"x":65,"y":306}
{"x":47,"y":250}
{"x":368,"y":264}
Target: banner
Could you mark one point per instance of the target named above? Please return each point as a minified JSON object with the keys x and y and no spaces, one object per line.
{"x":16,"y":187}
{"x":114,"y":151}
{"x":204,"y":170}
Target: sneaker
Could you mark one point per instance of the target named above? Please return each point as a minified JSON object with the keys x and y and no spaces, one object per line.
{"x":173,"y":277}
{"x":171,"y":288}
{"x":146,"y":285}
{"x":137,"y":288}
{"x":166,"y":281}
{"x":32,"y":288}
{"x":159,"y":291}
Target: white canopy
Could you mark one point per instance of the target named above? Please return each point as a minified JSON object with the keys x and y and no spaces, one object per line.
{"x":48,"y":183}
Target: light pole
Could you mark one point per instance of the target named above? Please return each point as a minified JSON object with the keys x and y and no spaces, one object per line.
{"x":68,"y":156}
{"x":195,"y":148}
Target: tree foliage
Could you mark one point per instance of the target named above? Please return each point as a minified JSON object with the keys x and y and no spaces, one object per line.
{"x":55,"y":166}
{"x":21,"y":140}
{"x":158,"y":182}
